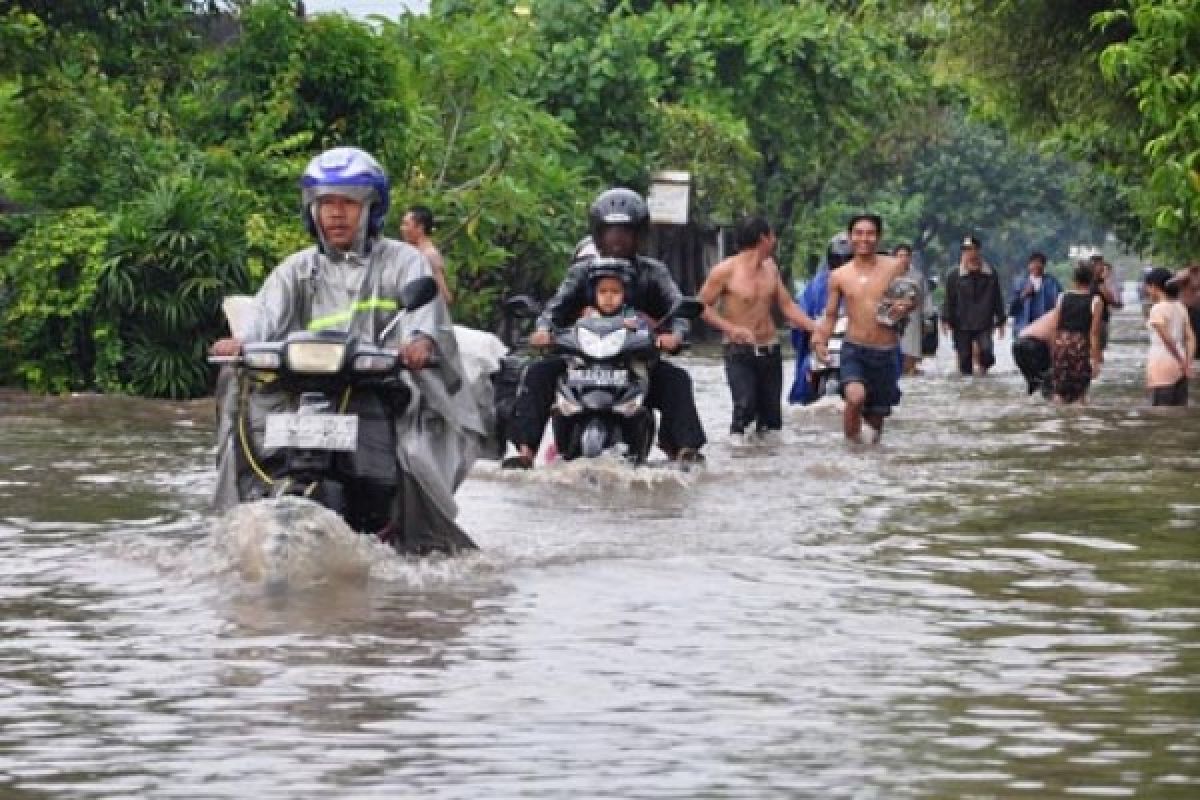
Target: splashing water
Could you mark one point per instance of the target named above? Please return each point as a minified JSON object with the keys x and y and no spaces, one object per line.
{"x":294,"y":542}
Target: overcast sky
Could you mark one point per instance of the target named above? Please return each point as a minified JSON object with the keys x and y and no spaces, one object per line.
{"x":362,"y":8}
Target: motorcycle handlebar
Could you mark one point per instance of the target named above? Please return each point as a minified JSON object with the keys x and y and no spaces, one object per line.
{"x":236,"y":361}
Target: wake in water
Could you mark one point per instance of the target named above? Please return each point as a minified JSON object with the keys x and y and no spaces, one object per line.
{"x":608,"y":472}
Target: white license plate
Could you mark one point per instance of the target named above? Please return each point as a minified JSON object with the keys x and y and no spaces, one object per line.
{"x":600,"y":376}
{"x":312,"y":431}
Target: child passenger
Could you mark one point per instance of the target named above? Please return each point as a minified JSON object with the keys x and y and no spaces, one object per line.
{"x":608,"y":300}
{"x":1172,"y":343}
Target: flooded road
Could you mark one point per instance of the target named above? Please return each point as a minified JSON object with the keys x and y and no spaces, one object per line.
{"x":1002,"y":601}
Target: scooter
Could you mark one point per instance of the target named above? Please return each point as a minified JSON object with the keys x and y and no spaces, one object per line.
{"x":600,"y":401}
{"x":826,"y":376}
{"x":315,"y":419}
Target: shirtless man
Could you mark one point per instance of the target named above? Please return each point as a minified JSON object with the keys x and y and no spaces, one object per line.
{"x":1032,"y":352}
{"x":868,"y":358}
{"x":415,"y":227}
{"x":748,"y":288}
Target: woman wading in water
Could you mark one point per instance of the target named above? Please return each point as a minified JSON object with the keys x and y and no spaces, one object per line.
{"x":1077,"y":352}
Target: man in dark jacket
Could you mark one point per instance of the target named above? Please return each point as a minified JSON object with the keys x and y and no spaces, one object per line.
{"x":973,"y":307}
{"x":617,"y":218}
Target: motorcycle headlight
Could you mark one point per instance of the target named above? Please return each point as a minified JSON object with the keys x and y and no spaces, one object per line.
{"x":315,"y":358}
{"x":374,"y":362}
{"x":598,"y":346}
{"x":261,"y":359}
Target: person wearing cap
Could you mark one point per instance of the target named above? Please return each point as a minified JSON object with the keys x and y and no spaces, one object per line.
{"x":1172,"y":342}
{"x":748,"y":288}
{"x":973,"y":308}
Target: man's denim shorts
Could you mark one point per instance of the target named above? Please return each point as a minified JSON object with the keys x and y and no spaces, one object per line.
{"x":878,"y":370}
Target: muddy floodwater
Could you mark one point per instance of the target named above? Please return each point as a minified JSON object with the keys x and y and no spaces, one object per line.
{"x":1001,"y":601}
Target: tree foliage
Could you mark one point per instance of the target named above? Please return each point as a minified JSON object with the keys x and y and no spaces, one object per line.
{"x":169,"y":135}
{"x":1112,"y":83}
{"x":1160,"y":62}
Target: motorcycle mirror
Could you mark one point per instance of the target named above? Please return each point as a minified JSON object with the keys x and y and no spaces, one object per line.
{"x":522,"y":306}
{"x":418,"y":292}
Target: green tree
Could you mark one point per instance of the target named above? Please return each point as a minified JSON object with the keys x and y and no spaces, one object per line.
{"x":492,"y":164}
{"x":1160,"y":61}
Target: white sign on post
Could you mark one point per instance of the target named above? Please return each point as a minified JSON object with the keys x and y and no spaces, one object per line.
{"x":668,"y":198}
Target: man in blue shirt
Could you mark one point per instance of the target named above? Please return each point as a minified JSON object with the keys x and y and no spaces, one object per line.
{"x":1034,"y":294}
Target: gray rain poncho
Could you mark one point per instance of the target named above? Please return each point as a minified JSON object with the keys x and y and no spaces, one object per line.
{"x":445,"y":426}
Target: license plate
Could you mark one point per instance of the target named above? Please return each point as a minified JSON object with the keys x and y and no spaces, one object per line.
{"x":599,"y":376}
{"x":312,"y":431}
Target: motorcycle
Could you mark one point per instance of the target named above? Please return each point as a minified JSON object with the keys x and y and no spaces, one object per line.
{"x":600,"y":401}
{"x":826,"y":376}
{"x":319,"y":421}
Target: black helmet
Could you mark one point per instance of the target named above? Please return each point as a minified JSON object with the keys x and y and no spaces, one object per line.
{"x":605,"y":267}
{"x":839,"y":251}
{"x":618,"y":207}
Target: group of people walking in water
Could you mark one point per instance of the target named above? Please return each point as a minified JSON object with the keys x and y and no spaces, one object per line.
{"x":1062,"y":334}
{"x":353,"y":284}
{"x":1059,"y":333}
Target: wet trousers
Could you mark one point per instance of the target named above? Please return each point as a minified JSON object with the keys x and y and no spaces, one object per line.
{"x":963,"y":345}
{"x":1033,"y":359}
{"x":755,"y":377}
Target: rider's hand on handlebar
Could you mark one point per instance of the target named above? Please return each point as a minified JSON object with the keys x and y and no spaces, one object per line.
{"x":821,"y":350}
{"x":226,"y":347}
{"x":416,"y":354}
{"x":669,"y":342}
{"x":540,"y":338}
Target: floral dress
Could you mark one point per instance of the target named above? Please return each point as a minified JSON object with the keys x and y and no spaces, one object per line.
{"x":1072,"y":347}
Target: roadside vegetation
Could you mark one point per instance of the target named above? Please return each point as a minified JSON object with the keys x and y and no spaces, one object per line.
{"x":150,"y":149}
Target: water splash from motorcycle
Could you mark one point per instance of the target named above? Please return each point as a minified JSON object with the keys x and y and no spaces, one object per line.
{"x":292,"y":542}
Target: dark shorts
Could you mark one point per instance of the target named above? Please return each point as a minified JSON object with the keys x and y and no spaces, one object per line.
{"x":1174,"y":395}
{"x":877,"y":370}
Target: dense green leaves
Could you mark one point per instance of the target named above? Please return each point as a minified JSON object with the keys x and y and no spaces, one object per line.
{"x":1160,"y":62}
{"x":1113,"y":83}
{"x":158,"y":142}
